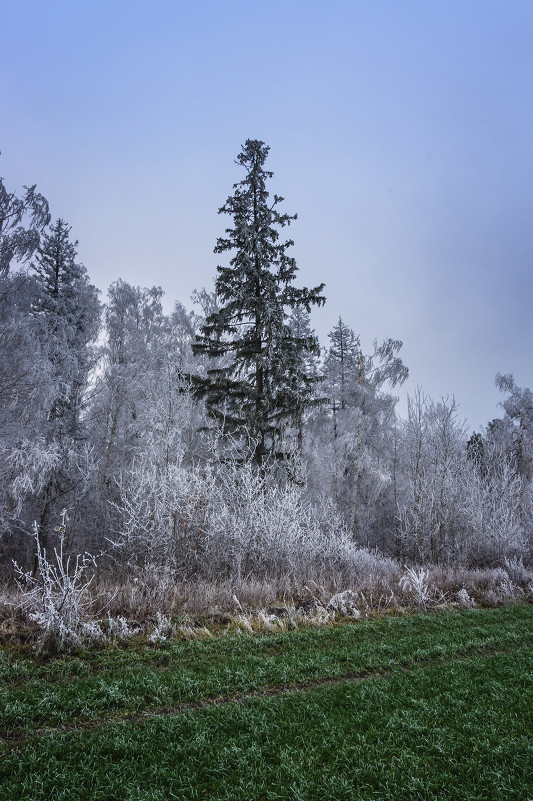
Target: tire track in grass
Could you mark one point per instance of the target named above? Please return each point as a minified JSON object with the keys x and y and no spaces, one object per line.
{"x":14,"y":741}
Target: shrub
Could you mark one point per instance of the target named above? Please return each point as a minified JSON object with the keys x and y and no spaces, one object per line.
{"x":56,"y":597}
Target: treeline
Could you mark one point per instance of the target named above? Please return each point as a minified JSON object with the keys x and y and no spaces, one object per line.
{"x":225,"y":442}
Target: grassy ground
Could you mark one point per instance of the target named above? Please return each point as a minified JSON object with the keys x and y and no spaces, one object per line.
{"x":415,"y":707}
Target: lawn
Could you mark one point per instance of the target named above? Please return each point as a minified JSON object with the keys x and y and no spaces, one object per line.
{"x":412,"y":707}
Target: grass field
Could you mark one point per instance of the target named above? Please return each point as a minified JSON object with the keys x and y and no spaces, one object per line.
{"x":415,"y":707}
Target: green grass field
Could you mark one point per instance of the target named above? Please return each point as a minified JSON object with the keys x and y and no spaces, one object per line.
{"x":417,"y":707}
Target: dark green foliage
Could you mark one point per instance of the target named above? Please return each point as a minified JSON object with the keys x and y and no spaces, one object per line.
{"x":475,"y":452}
{"x":259,"y":383}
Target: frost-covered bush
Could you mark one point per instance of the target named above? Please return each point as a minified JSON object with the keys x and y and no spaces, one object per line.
{"x":455,"y":505}
{"x":56,"y":598}
{"x":119,"y":629}
{"x":464,"y":600}
{"x":518,"y":573}
{"x":345,"y":603}
{"x":415,"y":582}
{"x":259,"y":525}
{"x":229,"y":520}
{"x":162,"y":630}
{"x":161,"y":514}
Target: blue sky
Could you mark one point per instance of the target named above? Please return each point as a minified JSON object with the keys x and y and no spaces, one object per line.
{"x":400,"y":132}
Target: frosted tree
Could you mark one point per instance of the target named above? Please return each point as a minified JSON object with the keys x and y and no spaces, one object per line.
{"x":66,"y":315}
{"x":362,"y":414}
{"x":437,"y":470}
{"x":22,"y":220}
{"x":476,"y":453}
{"x":513,"y":435}
{"x":67,"y":311}
{"x":142,"y":414}
{"x":306,"y":371}
{"x":262,"y":387}
{"x":518,"y":422}
{"x":26,"y":387}
{"x":21,"y":359}
{"x":461,"y":502}
{"x":49,"y":318}
{"x":119,"y":409}
{"x":341,"y":366}
{"x":183,"y":327}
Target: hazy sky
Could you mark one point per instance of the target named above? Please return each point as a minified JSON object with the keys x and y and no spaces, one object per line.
{"x":401,"y":132}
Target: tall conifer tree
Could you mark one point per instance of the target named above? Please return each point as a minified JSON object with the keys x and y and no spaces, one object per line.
{"x":69,"y":313}
{"x":258,"y":386}
{"x":341,"y":366}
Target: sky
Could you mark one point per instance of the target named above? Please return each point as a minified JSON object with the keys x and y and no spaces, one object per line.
{"x":400,"y":131}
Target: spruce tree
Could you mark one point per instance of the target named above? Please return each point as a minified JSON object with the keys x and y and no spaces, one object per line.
{"x":341,"y":366}
{"x":258,"y":385}
{"x":67,"y":311}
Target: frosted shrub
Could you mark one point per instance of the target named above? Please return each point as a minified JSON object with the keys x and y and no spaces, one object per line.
{"x":163,"y":629}
{"x":345,"y":604}
{"x":416,"y":583}
{"x":119,"y":629}
{"x":161,"y":513}
{"x":464,"y":600}
{"x":517,"y":572}
{"x":508,"y":591}
{"x":257,"y":525}
{"x":90,"y":631}
{"x":57,"y":597}
{"x":229,"y":520}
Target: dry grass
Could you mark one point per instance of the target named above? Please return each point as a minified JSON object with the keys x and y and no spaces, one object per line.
{"x":260,"y":604}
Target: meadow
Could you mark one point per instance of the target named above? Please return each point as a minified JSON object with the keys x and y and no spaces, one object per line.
{"x":416,"y":706}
